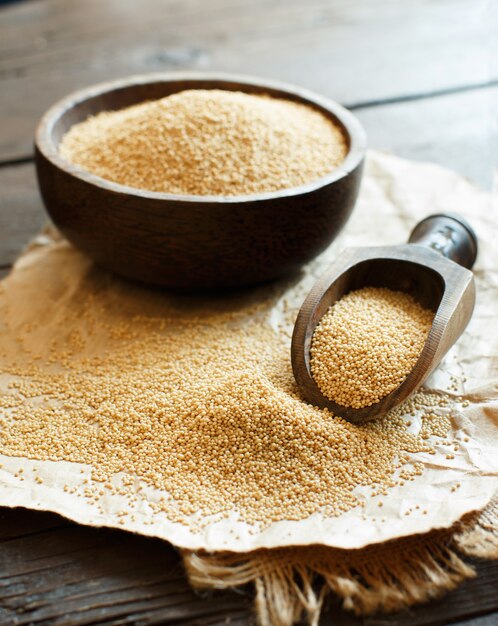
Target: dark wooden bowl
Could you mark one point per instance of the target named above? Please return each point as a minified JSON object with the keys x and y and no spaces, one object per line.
{"x":192,"y":242}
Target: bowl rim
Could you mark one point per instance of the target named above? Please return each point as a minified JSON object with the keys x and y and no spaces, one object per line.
{"x":357,"y":137}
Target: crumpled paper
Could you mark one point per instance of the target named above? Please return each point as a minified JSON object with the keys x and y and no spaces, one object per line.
{"x":395,"y":195}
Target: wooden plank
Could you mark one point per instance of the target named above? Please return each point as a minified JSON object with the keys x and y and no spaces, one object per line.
{"x":457,"y":131}
{"x":72,"y":575}
{"x":351,"y":50}
{"x":486,"y":620}
{"x":21,"y":212}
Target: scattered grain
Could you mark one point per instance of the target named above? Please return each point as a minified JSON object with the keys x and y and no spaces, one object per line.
{"x":201,"y":405}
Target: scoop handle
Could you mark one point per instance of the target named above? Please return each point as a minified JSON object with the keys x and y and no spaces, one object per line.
{"x":449,"y":235}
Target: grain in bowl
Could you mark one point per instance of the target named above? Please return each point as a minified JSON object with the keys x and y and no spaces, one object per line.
{"x":208,"y":142}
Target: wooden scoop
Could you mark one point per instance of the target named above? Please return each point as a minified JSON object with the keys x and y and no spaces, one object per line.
{"x":431,"y":267}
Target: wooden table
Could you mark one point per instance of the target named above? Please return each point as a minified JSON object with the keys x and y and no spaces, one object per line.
{"x":422,"y":77}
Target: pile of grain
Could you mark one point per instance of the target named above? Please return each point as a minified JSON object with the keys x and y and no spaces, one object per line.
{"x":200,"y":404}
{"x":366,"y":344}
{"x":208,"y":142}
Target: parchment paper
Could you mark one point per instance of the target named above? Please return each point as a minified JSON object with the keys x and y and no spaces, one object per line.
{"x":395,"y":195}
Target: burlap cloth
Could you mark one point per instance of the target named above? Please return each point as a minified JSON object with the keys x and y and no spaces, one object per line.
{"x":377,"y":566}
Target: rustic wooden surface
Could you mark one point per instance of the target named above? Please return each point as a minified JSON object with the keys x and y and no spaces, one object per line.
{"x":421,"y":75}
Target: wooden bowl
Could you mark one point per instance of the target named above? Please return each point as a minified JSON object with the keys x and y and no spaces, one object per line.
{"x":192,"y":242}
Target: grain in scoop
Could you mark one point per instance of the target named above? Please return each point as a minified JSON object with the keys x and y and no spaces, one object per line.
{"x":366,"y":344}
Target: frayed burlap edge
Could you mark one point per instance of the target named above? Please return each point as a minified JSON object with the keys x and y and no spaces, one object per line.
{"x":291,"y":583}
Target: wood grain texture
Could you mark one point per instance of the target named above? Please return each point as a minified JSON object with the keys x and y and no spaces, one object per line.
{"x":485,"y":620}
{"x":21,"y":213}
{"x":456,"y":131}
{"x":354,"y":51}
{"x":56,"y":572}
{"x":53,"y":572}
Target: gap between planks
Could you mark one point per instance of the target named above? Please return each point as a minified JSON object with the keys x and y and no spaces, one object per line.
{"x":354,"y":106}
